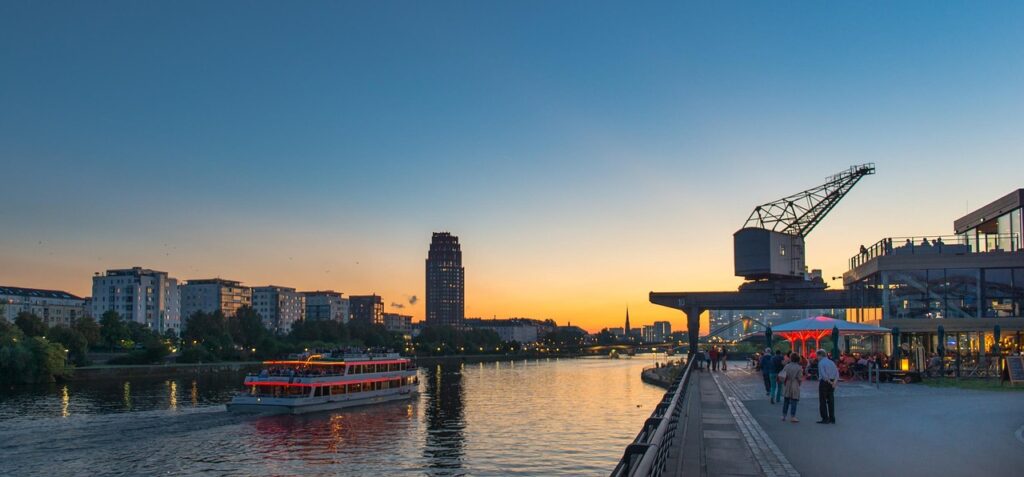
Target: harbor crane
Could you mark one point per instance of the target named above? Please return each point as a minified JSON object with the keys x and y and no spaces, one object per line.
{"x":770,"y":246}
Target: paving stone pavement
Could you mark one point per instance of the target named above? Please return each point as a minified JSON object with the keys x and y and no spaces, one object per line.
{"x":895,"y":429}
{"x":772,"y":461}
{"x":725,"y":452}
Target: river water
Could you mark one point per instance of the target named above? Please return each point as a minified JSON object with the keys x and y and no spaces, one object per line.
{"x":528,"y":417}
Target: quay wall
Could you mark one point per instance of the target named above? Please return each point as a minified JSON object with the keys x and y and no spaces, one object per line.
{"x":191,"y":369}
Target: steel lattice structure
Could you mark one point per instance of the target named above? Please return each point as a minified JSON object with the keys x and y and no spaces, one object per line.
{"x":799,"y":213}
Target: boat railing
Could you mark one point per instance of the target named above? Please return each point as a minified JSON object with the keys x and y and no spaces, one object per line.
{"x":648,"y":455}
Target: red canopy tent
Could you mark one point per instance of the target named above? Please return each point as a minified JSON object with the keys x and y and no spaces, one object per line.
{"x":803,"y":331}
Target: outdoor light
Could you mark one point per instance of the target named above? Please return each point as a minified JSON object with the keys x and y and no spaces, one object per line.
{"x":905,"y":364}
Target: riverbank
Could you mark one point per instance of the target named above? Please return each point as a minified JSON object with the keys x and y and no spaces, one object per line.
{"x":661,"y":376}
{"x":173,"y":370}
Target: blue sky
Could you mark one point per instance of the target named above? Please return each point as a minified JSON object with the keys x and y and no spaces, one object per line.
{"x":595,"y":150}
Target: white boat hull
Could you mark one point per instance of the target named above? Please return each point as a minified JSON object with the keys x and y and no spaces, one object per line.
{"x":249,"y":404}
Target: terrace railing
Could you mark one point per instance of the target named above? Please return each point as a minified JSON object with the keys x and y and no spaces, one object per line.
{"x":934,"y":244}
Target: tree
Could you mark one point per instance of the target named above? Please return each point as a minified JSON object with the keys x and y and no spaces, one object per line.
{"x":25,"y":359}
{"x":73,"y":341}
{"x":113,"y":329}
{"x":30,"y":324}
{"x":89,"y":329}
{"x":247,"y":328}
{"x":209,"y":330}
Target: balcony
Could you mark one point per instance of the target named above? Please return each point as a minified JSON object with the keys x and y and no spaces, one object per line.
{"x":934,"y":245}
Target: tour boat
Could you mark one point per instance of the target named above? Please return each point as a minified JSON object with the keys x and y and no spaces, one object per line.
{"x":321,"y":383}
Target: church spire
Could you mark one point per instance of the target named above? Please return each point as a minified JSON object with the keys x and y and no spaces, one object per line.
{"x":627,"y":322}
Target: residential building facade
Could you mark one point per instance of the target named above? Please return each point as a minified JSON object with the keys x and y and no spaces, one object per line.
{"x":520,"y":330}
{"x":367,"y":309}
{"x":138,"y":294}
{"x":54,"y":307}
{"x":327,"y":305}
{"x":446,"y":282}
{"x":279,"y":307}
{"x":213,"y":294}
{"x":398,"y":323}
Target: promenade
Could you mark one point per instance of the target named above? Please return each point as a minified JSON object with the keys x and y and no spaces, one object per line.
{"x":893,"y":429}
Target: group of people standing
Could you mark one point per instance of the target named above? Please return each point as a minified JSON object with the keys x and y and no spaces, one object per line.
{"x":716,"y":358}
{"x":783,"y":374}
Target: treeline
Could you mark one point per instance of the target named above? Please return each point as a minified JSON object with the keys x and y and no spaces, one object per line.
{"x":209,"y":337}
{"x":84,"y":334}
{"x":29,"y":357}
{"x":30,"y":351}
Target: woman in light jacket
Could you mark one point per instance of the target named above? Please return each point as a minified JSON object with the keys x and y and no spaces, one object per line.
{"x":792,"y":374}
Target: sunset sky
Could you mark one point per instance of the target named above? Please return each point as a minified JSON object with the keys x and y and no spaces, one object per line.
{"x":585,"y":153}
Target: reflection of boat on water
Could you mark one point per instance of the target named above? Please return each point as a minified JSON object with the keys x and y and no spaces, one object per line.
{"x":614,"y":354}
{"x":319,"y":384}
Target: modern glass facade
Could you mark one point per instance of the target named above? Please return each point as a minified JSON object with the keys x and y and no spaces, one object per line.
{"x":971,"y":285}
{"x":949,"y":293}
{"x":995,"y":227}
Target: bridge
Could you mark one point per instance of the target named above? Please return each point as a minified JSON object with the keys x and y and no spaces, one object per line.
{"x":631,"y":348}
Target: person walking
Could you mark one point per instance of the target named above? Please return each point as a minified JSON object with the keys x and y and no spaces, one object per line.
{"x":766,"y":368}
{"x":714,"y":358}
{"x":828,"y":377}
{"x":778,"y":361}
{"x":792,"y":374}
{"x":722,"y":356}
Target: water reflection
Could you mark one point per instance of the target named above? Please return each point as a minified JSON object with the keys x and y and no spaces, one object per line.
{"x":443,"y":400}
{"x":490,"y":419}
{"x":172,"y":388}
{"x":65,"y":400}
{"x":128,"y":395}
{"x":343,"y":437}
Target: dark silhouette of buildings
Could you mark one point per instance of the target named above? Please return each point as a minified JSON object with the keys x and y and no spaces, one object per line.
{"x":446,"y":285}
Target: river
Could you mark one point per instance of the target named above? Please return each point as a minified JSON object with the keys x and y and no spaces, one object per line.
{"x":528,"y":417}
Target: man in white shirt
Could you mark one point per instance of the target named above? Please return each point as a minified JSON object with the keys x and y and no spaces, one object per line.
{"x":828,"y":377}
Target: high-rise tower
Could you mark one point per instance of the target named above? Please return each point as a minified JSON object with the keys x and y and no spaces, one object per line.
{"x":446,"y":285}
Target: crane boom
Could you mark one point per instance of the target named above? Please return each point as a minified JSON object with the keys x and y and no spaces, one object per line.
{"x":799,"y":213}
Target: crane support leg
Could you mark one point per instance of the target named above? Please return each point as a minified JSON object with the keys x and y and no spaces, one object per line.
{"x":693,"y":326}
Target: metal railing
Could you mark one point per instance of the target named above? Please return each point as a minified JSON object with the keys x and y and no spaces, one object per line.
{"x":934,"y":244}
{"x":649,"y":452}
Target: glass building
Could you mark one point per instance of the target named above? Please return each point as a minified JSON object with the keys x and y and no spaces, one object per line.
{"x":969,"y":283}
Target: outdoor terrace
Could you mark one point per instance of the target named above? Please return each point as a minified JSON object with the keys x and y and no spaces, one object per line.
{"x":935,"y":245}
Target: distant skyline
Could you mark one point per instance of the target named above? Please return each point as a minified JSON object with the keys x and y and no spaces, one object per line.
{"x":585,"y":153}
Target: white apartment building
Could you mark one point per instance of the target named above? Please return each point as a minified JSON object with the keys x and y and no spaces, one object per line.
{"x":212,"y":294}
{"x":138,"y":294}
{"x":279,"y":307}
{"x":327,"y":305}
{"x":398,"y":323}
{"x":55,"y":307}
